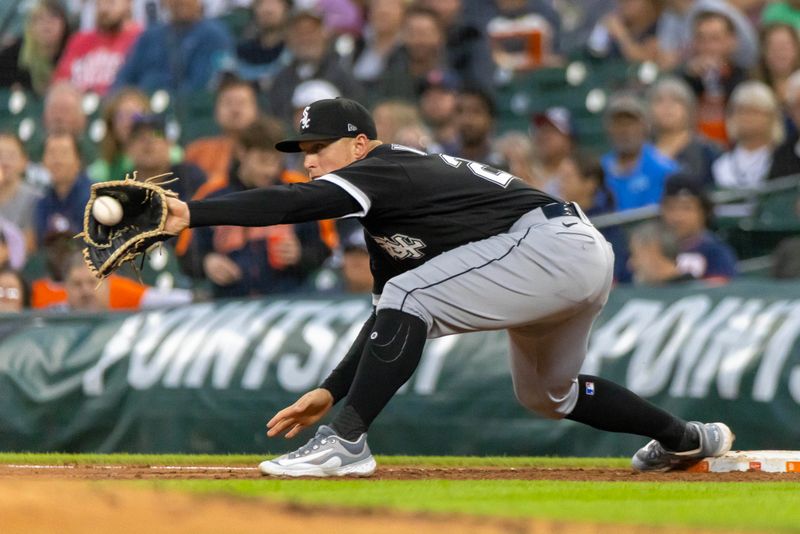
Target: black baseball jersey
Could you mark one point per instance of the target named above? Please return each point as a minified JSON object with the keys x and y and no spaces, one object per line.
{"x":413,"y":205}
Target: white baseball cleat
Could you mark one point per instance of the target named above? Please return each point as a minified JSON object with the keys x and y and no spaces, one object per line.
{"x":325,"y":455}
{"x":715,"y":440}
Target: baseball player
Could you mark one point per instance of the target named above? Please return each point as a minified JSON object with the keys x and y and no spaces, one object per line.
{"x":455,"y":246}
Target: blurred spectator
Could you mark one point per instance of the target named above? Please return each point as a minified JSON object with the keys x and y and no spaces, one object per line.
{"x":58,"y":247}
{"x":687,"y":211}
{"x":467,"y":46}
{"x":341,"y":16}
{"x":676,"y":28}
{"x":516,"y":148}
{"x":423,"y":55}
{"x":786,"y":259}
{"x":779,"y":58}
{"x":673,"y":110}
{"x":582,"y":181}
{"x":259,"y":261}
{"x":654,"y":251}
{"x":260,"y":57}
{"x":437,"y":106}
{"x":391,"y":116}
{"x":63,"y":113}
{"x":381,"y":37}
{"x":755,"y":126}
{"x":29,"y":62}
{"x":12,"y":245}
{"x":18,"y":199}
{"x":14,"y":292}
{"x":92,"y":58}
{"x":62,"y":207}
{"x":522,"y":38}
{"x":475,"y":119}
{"x":785,"y":12}
{"x":150,"y":153}
{"x":635,"y":171}
{"x":143,"y":12}
{"x":786,"y":256}
{"x":83,"y":292}
{"x":312,"y":58}
{"x":786,"y":159}
{"x":554,"y":138}
{"x":118,"y":114}
{"x":235,"y":109}
{"x":181,"y":56}
{"x":628,"y":32}
{"x":356,"y":273}
{"x":711,"y":71}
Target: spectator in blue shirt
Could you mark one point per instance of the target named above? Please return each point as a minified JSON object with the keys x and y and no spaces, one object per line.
{"x":180,"y":56}
{"x":62,"y":207}
{"x":687,"y":211}
{"x":635,"y":170}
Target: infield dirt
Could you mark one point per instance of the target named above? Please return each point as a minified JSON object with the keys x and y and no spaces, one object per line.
{"x":82,"y":499}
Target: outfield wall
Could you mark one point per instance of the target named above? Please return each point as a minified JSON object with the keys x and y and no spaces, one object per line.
{"x":206,"y":377}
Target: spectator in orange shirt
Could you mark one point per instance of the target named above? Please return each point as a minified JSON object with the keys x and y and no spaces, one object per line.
{"x":236,"y":108}
{"x":82,"y":291}
{"x":258,"y":261}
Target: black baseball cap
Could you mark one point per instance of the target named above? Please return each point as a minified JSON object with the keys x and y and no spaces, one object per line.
{"x":332,"y":119}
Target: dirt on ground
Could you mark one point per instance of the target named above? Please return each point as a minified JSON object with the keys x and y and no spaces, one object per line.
{"x":83,"y":499}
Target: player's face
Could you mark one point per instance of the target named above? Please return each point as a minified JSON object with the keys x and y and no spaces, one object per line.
{"x":322,"y":157}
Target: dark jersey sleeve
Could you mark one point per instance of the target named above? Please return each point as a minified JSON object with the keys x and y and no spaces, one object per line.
{"x":372,"y":182}
{"x":279,"y":204}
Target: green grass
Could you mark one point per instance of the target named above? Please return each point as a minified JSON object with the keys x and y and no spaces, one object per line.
{"x":757,"y":506}
{"x":764,"y":506}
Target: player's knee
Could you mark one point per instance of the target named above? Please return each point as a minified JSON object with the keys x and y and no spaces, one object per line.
{"x":396,"y":338}
{"x":552,"y":403}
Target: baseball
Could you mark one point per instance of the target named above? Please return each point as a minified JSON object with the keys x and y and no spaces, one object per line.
{"x":107,"y":210}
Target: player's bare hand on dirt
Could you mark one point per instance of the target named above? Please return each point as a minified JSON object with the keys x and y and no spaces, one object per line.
{"x":178,"y":216}
{"x":306,"y":411}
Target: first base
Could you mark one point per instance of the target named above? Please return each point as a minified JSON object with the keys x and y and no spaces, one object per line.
{"x":767,"y":461}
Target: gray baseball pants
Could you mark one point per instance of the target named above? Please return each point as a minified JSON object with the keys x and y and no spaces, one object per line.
{"x":544,"y":282}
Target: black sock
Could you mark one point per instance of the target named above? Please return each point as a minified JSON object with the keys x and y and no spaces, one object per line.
{"x":389,"y":359}
{"x":607,"y":406}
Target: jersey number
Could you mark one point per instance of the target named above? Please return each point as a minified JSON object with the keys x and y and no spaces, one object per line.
{"x":501,"y":178}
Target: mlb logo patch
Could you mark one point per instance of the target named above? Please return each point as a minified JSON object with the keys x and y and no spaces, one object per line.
{"x":590,"y":388}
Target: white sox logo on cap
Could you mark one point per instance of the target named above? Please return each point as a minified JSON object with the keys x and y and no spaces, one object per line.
{"x":305,"y":120}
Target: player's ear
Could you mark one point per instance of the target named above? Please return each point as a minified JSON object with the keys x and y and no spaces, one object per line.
{"x":360,"y":146}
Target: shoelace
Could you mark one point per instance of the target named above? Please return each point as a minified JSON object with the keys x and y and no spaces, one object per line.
{"x":312,"y":445}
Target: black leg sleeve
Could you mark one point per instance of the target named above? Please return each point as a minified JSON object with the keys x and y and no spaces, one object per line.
{"x":608,"y":406}
{"x":390,"y":357}
{"x":340,"y":379}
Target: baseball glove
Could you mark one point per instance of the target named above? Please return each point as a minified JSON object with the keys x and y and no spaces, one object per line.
{"x":144,"y":205}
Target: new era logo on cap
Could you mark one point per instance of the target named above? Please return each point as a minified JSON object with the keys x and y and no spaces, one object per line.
{"x":331,"y":119}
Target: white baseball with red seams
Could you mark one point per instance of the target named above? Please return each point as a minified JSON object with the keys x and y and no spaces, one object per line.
{"x":107,"y":210}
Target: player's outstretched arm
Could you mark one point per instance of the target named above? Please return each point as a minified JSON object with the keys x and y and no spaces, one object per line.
{"x":306,"y":411}
{"x":341,"y":378}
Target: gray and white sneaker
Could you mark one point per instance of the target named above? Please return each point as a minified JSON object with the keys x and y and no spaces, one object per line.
{"x":715,"y":440}
{"x":325,"y":455}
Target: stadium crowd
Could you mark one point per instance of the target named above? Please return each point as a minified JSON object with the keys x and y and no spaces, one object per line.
{"x":722,"y":115}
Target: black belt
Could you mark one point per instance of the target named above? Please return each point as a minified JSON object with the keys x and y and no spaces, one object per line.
{"x":557,"y":209}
